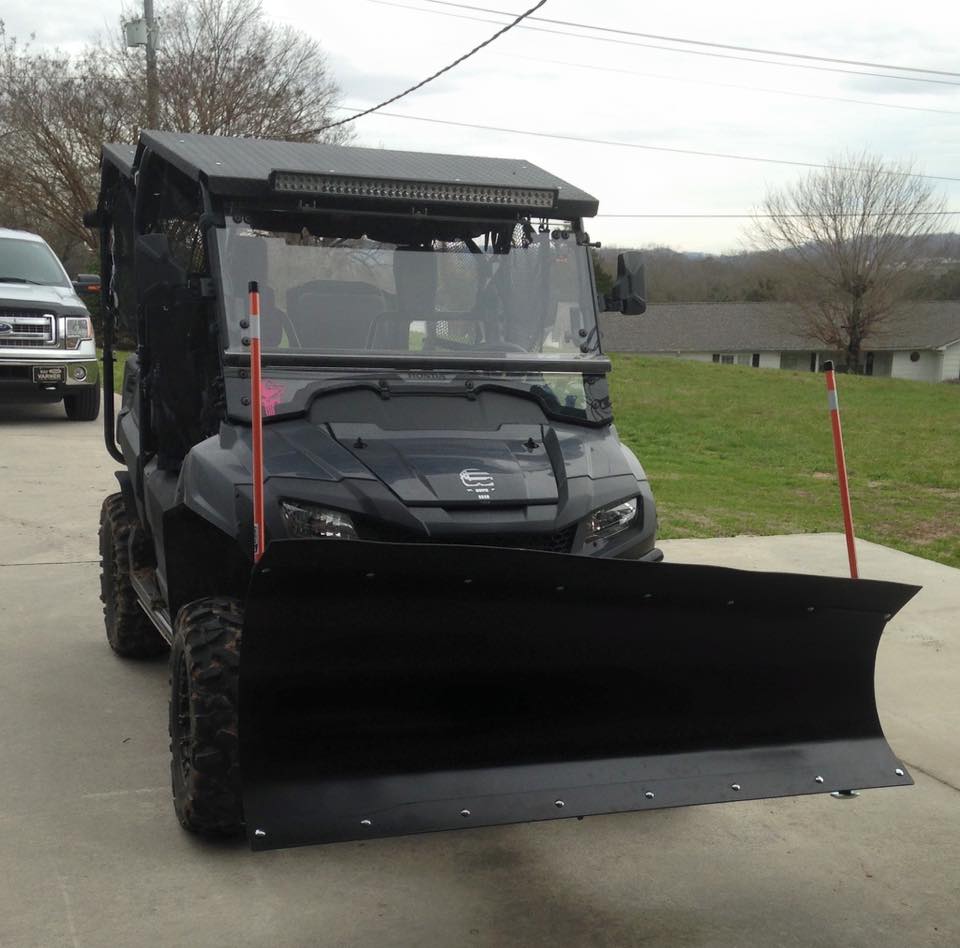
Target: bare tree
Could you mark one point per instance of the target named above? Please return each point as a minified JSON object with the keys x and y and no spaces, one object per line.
{"x":223,"y":69}
{"x":852,"y":235}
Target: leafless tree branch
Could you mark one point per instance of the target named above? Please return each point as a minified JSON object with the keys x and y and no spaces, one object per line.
{"x":224,"y":69}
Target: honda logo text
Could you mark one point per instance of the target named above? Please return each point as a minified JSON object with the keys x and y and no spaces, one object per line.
{"x":478,"y":482}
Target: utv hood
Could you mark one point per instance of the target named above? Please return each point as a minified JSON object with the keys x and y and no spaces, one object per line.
{"x":509,"y":466}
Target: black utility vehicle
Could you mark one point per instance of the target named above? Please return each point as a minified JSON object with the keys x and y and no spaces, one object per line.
{"x":460,"y":617}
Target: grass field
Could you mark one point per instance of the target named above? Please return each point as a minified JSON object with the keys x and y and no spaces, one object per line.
{"x":119,"y":358}
{"x":732,"y":450}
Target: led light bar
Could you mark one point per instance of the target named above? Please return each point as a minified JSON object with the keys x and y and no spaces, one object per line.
{"x":297,"y":182}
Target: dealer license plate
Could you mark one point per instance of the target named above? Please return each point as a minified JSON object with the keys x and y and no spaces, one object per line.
{"x":49,"y":373}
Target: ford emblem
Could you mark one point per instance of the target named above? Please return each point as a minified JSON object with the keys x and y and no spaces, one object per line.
{"x":5,"y":328}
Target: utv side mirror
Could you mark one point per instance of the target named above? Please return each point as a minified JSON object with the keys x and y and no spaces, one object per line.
{"x":156,"y":270}
{"x":87,"y":284}
{"x":629,"y":292}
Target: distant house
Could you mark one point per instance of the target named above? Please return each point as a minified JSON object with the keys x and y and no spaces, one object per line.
{"x":921,"y":342}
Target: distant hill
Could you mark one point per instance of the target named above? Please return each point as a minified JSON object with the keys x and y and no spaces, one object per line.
{"x":674,"y":276}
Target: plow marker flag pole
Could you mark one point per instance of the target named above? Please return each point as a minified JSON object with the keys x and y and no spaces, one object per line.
{"x":841,"y":467}
{"x":256,"y":421}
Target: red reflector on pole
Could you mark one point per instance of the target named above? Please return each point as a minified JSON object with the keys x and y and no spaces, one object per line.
{"x":256,"y":422}
{"x":834,"y":407}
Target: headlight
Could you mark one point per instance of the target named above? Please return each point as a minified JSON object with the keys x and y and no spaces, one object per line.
{"x":609,"y":521}
{"x":78,"y":328}
{"x":306,"y":520}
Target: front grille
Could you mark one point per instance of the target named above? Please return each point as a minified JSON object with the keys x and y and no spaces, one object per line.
{"x":560,"y":541}
{"x":15,"y":372}
{"x":27,"y":329}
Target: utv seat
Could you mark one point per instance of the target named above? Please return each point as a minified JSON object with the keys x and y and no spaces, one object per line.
{"x":334,"y":314}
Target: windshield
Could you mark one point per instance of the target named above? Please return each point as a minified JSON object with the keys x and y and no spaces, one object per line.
{"x":516,"y":296}
{"x":29,"y":261}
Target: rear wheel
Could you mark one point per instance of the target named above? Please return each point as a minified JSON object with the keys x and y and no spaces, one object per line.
{"x":85,"y":405}
{"x":129,"y":631}
{"x":204,"y":669}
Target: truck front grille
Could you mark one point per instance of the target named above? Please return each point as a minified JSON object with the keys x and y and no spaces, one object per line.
{"x":15,"y":372}
{"x":26,"y":330}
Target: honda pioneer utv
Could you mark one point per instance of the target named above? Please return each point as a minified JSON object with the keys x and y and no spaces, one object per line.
{"x":374,"y":502}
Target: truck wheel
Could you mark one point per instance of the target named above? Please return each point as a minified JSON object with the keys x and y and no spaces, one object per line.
{"x":204,"y":670}
{"x":129,"y":631}
{"x":85,"y":405}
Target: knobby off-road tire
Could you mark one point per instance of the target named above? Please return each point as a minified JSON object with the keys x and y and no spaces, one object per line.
{"x":204,"y":672}
{"x":84,"y":406}
{"x":129,"y":631}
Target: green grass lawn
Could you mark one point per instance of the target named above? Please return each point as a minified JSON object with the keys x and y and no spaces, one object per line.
{"x":733,"y":450}
{"x":119,"y":358}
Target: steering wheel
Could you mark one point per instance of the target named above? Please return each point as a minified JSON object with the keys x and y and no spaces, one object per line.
{"x":432,"y":343}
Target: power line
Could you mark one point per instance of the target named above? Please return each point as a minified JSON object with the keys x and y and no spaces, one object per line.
{"x":637,"y":145}
{"x":729,"y":85}
{"x":439,"y":72}
{"x":721,"y":216}
{"x":695,"y":42}
{"x":673,"y":49}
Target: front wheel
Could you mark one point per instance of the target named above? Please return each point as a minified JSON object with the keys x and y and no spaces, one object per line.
{"x":129,"y":631}
{"x":85,"y":405}
{"x":204,"y":672}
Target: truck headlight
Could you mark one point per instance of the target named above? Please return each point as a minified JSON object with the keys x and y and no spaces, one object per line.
{"x":78,"y":329}
{"x":307,"y":521}
{"x":608,"y":521}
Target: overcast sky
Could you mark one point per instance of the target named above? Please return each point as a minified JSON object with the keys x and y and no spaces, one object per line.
{"x":604,"y":90}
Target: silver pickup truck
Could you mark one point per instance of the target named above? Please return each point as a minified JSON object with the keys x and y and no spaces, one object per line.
{"x":47,"y":349}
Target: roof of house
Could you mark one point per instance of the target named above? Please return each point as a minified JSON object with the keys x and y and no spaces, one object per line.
{"x":243,"y":167}
{"x":765,"y":327}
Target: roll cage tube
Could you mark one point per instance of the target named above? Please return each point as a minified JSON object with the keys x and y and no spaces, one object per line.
{"x":107,"y":309}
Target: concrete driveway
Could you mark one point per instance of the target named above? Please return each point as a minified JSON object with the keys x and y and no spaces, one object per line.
{"x":91,"y":854}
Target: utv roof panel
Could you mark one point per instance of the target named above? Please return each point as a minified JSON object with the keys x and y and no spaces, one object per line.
{"x":246,"y":167}
{"x":121,"y":157}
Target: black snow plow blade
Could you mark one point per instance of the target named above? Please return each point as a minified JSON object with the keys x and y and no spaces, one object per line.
{"x":389,"y":689}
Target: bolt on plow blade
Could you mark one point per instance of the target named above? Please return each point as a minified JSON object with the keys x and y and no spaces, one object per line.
{"x":392,"y":688}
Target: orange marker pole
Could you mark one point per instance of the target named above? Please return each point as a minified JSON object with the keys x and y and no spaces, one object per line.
{"x":256,"y":422}
{"x":834,"y":406}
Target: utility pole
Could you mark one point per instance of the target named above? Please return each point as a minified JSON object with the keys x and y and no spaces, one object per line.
{"x":144,"y":33}
{"x":153,"y":86}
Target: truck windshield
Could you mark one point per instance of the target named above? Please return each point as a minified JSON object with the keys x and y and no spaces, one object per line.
{"x":532,"y":296}
{"x":29,"y":261}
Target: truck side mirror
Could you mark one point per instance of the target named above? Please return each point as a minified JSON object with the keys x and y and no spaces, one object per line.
{"x":629,"y":292}
{"x":87,"y":284}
